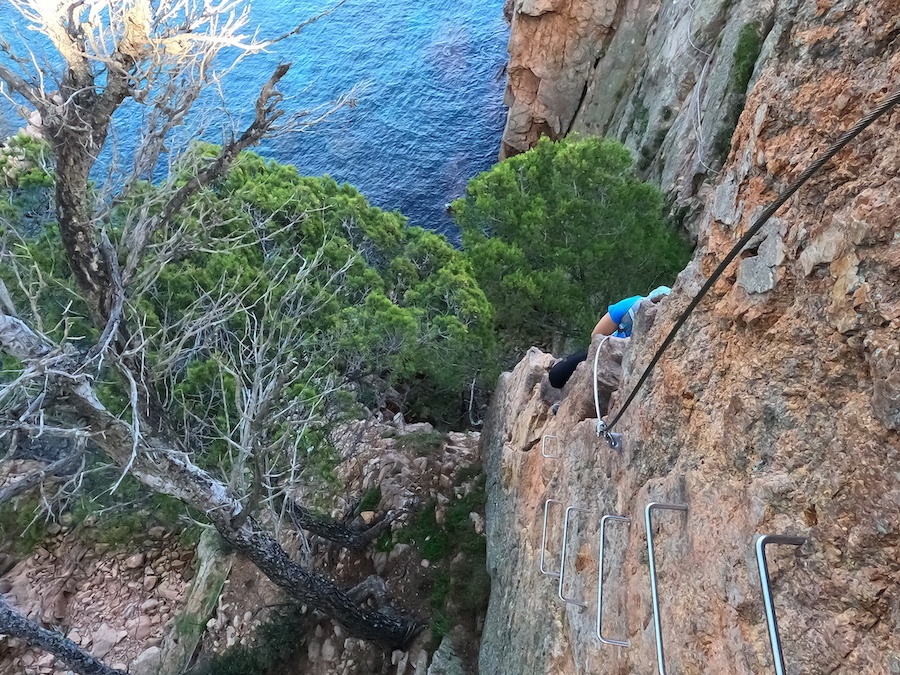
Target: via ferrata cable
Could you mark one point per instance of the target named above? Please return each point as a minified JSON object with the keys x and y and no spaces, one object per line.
{"x":769,"y":211}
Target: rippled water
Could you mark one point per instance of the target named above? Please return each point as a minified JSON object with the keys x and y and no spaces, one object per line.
{"x":429,"y":107}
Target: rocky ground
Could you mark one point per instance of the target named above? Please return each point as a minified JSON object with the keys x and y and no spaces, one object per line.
{"x":120,"y":604}
{"x":113,"y":603}
{"x":413,"y":466}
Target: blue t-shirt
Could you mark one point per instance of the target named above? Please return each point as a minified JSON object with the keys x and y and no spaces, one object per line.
{"x":620,"y":313}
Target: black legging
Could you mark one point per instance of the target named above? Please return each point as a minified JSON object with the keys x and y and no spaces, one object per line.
{"x":561,"y":372}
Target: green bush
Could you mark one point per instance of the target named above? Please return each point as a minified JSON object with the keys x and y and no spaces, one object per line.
{"x":559,"y":232}
{"x":405,"y":323}
{"x":274,"y":647}
{"x":404,"y":326}
{"x":746,"y":52}
{"x":25,"y":162}
{"x":458,"y":583}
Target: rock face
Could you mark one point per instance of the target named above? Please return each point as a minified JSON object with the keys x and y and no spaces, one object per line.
{"x":775,"y":411}
{"x":553,"y":45}
{"x":666,"y":77}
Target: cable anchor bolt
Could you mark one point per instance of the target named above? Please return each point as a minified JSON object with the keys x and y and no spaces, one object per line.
{"x":614,"y":440}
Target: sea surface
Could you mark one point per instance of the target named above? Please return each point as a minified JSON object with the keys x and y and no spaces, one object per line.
{"x":427,"y":77}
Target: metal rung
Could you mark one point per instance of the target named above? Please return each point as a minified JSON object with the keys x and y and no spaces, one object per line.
{"x":657,"y":625}
{"x":562,"y":562}
{"x":774,"y":638}
{"x":604,"y":640}
{"x":544,"y":447}
{"x":544,"y":537}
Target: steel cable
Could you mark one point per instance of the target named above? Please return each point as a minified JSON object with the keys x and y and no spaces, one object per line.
{"x":769,"y":211}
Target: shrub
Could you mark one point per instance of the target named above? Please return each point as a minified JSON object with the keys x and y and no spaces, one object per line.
{"x":746,"y":52}
{"x":275,"y":646}
{"x":405,"y":325}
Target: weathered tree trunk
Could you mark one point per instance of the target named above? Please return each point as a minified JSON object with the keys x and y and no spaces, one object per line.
{"x":16,"y":625}
{"x":77,"y":129}
{"x":162,"y":467}
{"x":393,"y":631}
{"x":334,"y":531}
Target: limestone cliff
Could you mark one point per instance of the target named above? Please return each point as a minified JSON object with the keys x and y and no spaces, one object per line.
{"x":777,"y":408}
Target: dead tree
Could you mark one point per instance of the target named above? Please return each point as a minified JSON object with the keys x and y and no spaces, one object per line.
{"x":161,"y":55}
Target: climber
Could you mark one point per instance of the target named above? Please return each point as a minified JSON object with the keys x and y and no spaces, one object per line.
{"x":617,"y":322}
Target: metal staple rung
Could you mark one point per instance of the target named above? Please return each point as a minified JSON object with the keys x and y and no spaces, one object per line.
{"x":605,"y":640}
{"x":544,"y":537}
{"x":562,"y":562}
{"x":657,"y":624}
{"x":774,"y":638}
{"x":544,"y":446}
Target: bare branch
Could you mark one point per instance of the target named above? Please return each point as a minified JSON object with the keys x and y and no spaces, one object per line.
{"x":14,"y":624}
{"x":21,"y":87}
{"x":300,"y":27}
{"x":36,"y":478}
{"x":267,"y":113}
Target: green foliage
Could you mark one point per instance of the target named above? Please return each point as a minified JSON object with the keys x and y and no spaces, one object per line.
{"x":423,"y":532}
{"x":274,"y":647}
{"x":25,"y":183}
{"x":398,"y":312}
{"x":459,"y":585}
{"x":422,"y":442}
{"x":44,"y":282}
{"x":559,"y":232}
{"x":746,"y":52}
{"x":370,"y":500}
{"x":25,"y":162}
{"x":385,"y":542}
{"x":22,"y":526}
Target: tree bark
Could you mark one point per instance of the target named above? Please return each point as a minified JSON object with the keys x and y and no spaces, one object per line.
{"x":14,"y":624}
{"x":391,"y":630}
{"x":334,"y":531}
{"x":77,"y":129}
{"x":160,"y":464}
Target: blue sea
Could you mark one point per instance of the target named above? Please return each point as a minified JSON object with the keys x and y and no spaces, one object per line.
{"x":429,"y":95}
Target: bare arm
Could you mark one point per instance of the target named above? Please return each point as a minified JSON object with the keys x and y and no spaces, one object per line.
{"x":606,"y":326}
